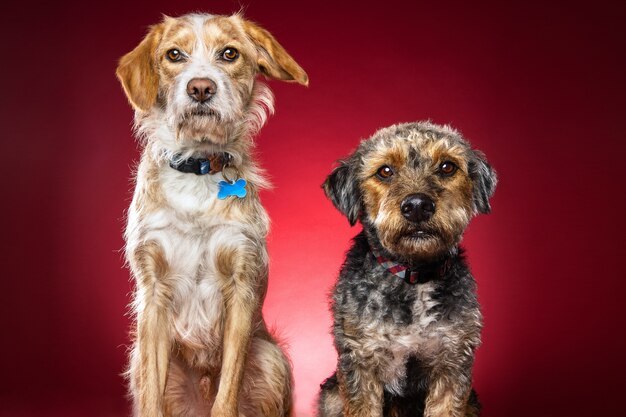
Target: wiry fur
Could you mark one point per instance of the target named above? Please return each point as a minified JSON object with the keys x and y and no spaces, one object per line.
{"x":406,"y":350}
{"x":201,"y":346}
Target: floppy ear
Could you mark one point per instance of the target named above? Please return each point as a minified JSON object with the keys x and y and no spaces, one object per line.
{"x":342,"y":189}
{"x":137,"y":71}
{"x":484,"y":180}
{"x":273,"y":60}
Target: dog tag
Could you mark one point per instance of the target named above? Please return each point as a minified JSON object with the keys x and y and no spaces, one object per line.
{"x":237,"y":188}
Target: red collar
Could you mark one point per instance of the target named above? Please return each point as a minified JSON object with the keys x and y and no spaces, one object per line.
{"x":416,"y":275}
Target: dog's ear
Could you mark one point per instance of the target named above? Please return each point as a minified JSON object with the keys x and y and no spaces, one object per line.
{"x":484,"y":180}
{"x":342,"y":189}
{"x":273,"y":60}
{"x":137,"y":71}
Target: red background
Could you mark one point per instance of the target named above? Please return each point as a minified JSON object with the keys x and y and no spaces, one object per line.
{"x":539,"y":88}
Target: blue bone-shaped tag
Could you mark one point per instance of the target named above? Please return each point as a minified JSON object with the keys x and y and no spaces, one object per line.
{"x":237,"y":188}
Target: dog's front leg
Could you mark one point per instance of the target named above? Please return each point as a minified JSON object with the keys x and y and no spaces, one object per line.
{"x":449,"y":392}
{"x":360,"y":388}
{"x":153,"y":346}
{"x":151,"y":355}
{"x":451,"y":378}
{"x":241,"y":279}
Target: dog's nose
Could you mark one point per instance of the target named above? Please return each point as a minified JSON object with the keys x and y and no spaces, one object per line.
{"x":417,"y":208}
{"x":201,"y":89}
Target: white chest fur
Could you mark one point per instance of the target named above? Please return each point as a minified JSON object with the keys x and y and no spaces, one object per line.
{"x":190,"y":231}
{"x":190,"y":193}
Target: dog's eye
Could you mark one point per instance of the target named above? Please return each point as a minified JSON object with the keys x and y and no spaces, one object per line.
{"x":384,"y":172}
{"x":230,"y":54}
{"x":447,"y":168}
{"x":174,"y":55}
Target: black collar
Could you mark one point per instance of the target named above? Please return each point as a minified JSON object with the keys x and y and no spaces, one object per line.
{"x":212,"y":164}
{"x":414,"y":275}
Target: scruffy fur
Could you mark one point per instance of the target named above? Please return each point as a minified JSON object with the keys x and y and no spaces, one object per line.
{"x":201,"y":346}
{"x":406,"y":350}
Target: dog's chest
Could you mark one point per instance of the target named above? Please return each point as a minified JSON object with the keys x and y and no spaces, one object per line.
{"x":191,"y":232}
{"x":402,"y":314}
{"x":396,"y":309}
{"x":419,"y":337}
{"x":399,"y":319}
{"x":190,"y":193}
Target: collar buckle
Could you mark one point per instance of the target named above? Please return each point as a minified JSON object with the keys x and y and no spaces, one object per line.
{"x":202,"y":166}
{"x":411,"y":277}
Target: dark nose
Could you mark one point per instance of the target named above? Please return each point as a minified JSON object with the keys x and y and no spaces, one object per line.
{"x":201,"y":89}
{"x":417,"y":208}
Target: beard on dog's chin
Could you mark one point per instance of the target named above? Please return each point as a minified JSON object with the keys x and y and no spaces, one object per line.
{"x":416,"y":234}
{"x":203,"y":124}
{"x":417,"y":245}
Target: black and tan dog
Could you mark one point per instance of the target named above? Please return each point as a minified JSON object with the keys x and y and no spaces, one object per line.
{"x":406,"y":317}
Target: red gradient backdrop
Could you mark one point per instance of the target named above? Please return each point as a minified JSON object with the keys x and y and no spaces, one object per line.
{"x":539,"y":88}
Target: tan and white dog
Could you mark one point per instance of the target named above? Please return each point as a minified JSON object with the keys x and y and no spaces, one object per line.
{"x":201,"y":346}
